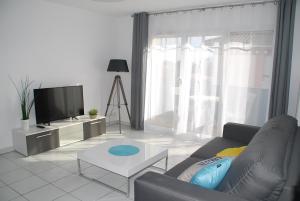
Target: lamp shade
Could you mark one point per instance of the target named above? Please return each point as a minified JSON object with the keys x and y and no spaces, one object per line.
{"x":117,"y":65}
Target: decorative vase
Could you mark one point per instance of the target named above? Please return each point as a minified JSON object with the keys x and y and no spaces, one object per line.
{"x":25,"y":124}
{"x":93,"y":116}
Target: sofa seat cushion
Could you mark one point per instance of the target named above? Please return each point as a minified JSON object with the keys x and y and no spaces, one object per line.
{"x":213,"y":147}
{"x":260,"y":172}
{"x":182,"y":166}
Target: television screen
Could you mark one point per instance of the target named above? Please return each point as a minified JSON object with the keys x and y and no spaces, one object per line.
{"x":58,"y":103}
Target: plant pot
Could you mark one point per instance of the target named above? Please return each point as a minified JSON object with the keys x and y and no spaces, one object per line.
{"x":93,"y":116}
{"x":25,"y":124}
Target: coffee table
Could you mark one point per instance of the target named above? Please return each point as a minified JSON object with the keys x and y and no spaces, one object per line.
{"x":125,"y":166}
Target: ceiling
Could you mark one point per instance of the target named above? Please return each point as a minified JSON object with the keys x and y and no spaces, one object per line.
{"x":128,"y":7}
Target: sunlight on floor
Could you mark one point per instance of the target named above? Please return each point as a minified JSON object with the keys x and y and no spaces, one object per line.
{"x":55,"y":172}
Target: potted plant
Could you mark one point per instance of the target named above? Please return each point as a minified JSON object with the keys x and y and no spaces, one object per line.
{"x":26,"y":100}
{"x":93,"y":113}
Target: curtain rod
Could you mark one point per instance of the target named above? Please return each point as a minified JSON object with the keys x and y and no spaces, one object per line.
{"x":231,"y":5}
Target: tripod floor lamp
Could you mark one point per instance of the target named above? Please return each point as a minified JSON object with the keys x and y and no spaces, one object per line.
{"x":118,"y":65}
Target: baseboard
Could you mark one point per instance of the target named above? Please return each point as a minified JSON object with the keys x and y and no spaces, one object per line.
{"x":6,"y":150}
{"x":158,"y":129}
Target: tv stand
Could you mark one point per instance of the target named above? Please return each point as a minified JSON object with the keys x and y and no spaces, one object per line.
{"x":59,"y":133}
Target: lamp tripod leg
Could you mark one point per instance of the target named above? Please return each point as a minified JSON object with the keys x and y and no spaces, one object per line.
{"x":124,"y":98}
{"x":119,"y":103}
{"x":110,"y":96}
{"x":119,"y":87}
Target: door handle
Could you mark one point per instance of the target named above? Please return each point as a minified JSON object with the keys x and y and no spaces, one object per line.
{"x":96,"y":122}
{"x":49,"y":134}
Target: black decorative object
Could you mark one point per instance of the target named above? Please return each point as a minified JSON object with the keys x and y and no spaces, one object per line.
{"x":118,"y":65}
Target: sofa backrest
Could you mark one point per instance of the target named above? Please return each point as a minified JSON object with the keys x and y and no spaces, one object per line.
{"x":261,"y":171}
{"x":289,"y":190}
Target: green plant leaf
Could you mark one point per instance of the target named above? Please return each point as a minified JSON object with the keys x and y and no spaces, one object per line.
{"x":24,"y":94}
{"x":93,"y":112}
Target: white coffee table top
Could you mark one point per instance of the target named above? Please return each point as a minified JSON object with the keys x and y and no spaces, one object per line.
{"x":126,"y":166}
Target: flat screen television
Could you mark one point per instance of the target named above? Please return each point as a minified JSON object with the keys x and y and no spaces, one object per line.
{"x":58,"y":103}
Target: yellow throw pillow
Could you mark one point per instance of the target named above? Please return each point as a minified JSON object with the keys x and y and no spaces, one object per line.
{"x":231,"y":152}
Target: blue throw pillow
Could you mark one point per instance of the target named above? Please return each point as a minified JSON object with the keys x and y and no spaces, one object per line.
{"x":211,"y":175}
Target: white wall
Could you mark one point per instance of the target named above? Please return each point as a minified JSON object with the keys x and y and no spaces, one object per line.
{"x":295,"y":75}
{"x":121,"y":49}
{"x":55,"y":45}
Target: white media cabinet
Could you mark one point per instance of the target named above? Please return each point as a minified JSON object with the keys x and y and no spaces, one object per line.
{"x":59,"y":133}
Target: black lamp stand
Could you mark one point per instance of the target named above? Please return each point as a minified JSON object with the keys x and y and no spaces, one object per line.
{"x":118,"y":85}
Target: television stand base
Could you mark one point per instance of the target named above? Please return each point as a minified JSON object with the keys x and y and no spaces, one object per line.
{"x":41,"y":138}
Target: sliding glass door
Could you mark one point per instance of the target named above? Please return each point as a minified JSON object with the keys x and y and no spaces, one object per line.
{"x":198,"y":82}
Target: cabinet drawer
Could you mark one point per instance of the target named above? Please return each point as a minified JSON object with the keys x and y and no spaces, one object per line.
{"x":74,"y":128}
{"x":70,"y":134}
{"x":94,"y":128}
{"x":42,"y":142}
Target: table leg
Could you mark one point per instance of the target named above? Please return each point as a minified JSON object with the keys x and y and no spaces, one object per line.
{"x":128,"y":187}
{"x":79,"y":169}
{"x":166,"y":164}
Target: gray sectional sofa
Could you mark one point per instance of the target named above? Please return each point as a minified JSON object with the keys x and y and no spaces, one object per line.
{"x":268,"y":170}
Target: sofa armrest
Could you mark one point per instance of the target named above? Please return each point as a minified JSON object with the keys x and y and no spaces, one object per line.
{"x":158,"y":187}
{"x":239,"y":132}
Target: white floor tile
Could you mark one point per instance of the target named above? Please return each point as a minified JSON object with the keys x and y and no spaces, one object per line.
{"x":39,"y":166}
{"x":68,"y":150}
{"x":71,"y":183}
{"x":7,"y":194}
{"x":72,"y":166}
{"x":115,"y":196}
{"x":25,"y":161}
{"x":64,"y":162}
{"x":66,"y":197}
{"x":12,"y":155}
{"x":94,"y":172}
{"x":113,"y":180}
{"x":19,"y":199}
{"x":46,"y":193}
{"x":28,"y":184}
{"x":90,"y":192}
{"x":2,"y":184}
{"x":54,"y":156}
{"x":54,"y":174}
{"x":15,"y":176}
{"x":6,"y":165}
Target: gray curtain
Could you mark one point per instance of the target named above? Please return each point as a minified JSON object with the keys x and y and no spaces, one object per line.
{"x":138,"y":72}
{"x":282,"y":58}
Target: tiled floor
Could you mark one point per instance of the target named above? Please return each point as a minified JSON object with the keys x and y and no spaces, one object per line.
{"x":53,"y":175}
